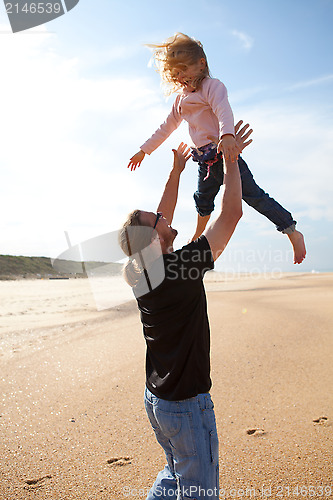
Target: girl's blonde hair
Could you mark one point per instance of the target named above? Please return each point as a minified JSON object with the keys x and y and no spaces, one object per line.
{"x":177,"y":53}
{"x":132,"y":239}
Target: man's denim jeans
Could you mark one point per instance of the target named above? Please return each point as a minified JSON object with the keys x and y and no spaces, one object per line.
{"x":253,"y":195}
{"x":186,"y":430}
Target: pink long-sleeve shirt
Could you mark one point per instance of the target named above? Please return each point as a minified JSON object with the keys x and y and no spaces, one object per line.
{"x":207,"y":112}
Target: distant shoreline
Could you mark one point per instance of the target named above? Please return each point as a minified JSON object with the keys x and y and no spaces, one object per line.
{"x":14,"y":267}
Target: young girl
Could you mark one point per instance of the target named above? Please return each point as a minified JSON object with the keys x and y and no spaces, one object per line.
{"x":202,"y":101}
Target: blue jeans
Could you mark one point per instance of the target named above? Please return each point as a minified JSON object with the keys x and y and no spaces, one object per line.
{"x":253,"y":195}
{"x":186,"y":430}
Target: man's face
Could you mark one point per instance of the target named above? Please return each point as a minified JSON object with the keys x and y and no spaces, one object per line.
{"x":166,"y":233}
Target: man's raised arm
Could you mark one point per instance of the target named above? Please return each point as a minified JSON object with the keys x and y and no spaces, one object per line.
{"x":168,"y":201}
{"x":220,"y":230}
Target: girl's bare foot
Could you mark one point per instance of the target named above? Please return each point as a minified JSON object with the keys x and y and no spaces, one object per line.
{"x":201,"y":225}
{"x":297,"y":241}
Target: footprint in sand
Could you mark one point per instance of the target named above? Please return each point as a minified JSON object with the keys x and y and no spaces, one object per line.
{"x":320,"y":420}
{"x":36,"y":483}
{"x":119,"y":461}
{"x":258,"y":432}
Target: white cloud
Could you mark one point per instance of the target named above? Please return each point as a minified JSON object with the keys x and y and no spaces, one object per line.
{"x":245,"y":40}
{"x":54,"y":171}
{"x":312,"y":83}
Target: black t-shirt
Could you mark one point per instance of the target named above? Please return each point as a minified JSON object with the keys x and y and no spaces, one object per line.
{"x":176,"y":327}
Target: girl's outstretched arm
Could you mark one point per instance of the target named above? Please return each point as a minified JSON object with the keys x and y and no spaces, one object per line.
{"x":160,"y":135}
{"x":136,"y":160}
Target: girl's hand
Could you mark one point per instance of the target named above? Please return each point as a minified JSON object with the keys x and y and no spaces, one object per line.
{"x":136,"y":160}
{"x":228,"y":146}
{"x":180,"y":157}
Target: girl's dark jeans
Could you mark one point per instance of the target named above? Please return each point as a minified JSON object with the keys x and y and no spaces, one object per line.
{"x":253,"y":195}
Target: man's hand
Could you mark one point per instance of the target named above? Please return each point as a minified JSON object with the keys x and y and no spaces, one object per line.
{"x":136,"y":160}
{"x":241,"y":138}
{"x":180,"y":157}
{"x":229,"y":147}
{"x":242,"y":135}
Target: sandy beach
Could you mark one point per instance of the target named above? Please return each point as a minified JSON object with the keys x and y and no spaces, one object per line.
{"x":72,"y":420}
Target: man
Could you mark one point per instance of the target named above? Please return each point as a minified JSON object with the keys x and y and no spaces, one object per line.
{"x":176,"y":329}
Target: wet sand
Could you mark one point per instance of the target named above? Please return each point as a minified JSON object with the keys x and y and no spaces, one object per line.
{"x":72,"y":420}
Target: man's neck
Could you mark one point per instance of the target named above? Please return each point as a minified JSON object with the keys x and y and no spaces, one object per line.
{"x":167,"y":249}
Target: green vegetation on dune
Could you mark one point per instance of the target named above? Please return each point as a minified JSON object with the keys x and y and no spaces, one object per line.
{"x":13,"y":267}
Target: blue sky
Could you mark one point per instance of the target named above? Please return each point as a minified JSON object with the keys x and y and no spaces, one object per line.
{"x":79,"y":98}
